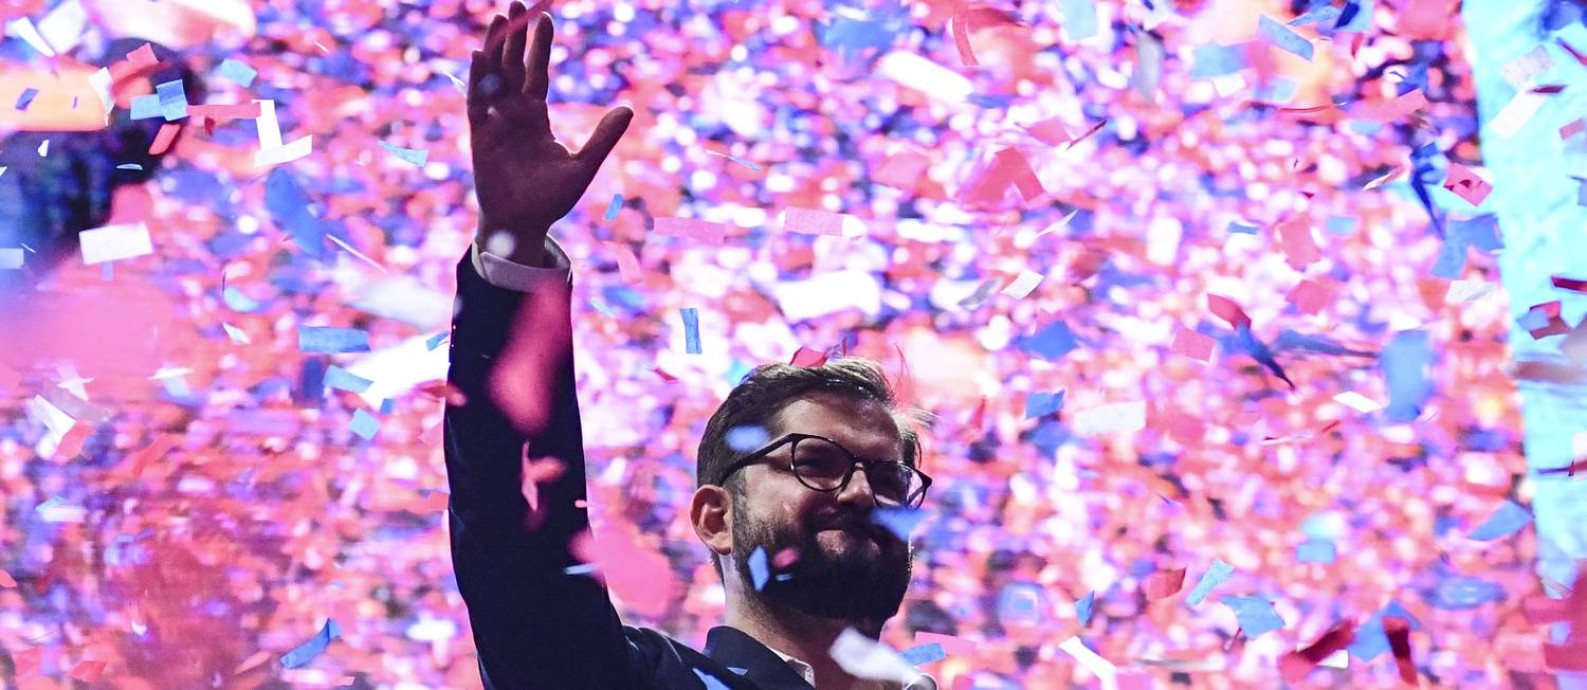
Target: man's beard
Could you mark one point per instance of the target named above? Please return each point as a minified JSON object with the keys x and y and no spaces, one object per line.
{"x":857,"y":585}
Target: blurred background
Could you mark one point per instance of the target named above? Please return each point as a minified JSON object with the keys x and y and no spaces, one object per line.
{"x":1279,"y":300}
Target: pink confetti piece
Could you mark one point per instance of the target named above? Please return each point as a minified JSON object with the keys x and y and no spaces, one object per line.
{"x":1572,"y":284}
{"x":958,"y":26}
{"x":1192,"y":344}
{"x":1226,"y":309}
{"x":1163,"y":584}
{"x":627,"y":264}
{"x":1426,"y":19}
{"x":164,"y":138}
{"x":902,"y":170}
{"x":1296,"y":240}
{"x":813,"y":222}
{"x":808,"y":357}
{"x":1466,"y":185}
{"x":712,"y":233}
{"x":88,"y":670}
{"x":1574,"y":128}
{"x":1310,"y":296}
{"x":1051,"y":132}
{"x":6,"y":580}
{"x":1394,"y":108}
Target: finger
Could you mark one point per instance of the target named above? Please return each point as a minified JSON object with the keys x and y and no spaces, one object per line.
{"x":606,"y":136}
{"x":512,"y":59}
{"x":478,"y":104}
{"x":495,"y":45}
{"x":539,"y":60}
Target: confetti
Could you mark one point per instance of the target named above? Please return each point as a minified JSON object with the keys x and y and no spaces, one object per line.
{"x":1163,"y":584}
{"x":26,"y":98}
{"x":713,"y":233}
{"x":920,"y":655}
{"x":364,"y":424}
{"x":323,"y":340}
{"x":342,"y":379}
{"x":1192,"y":344}
{"x":1404,"y":362}
{"x":691,"y":331}
{"x":235,"y":70}
{"x":308,"y":651}
{"x":1043,"y":404}
{"x":411,"y":156}
{"x":1295,"y":665}
{"x":1283,"y":37}
{"x":173,"y":100}
{"x":1115,"y":418}
{"x":1466,"y":185}
{"x":900,"y":521}
{"x":1216,"y":574}
{"x":864,"y":657}
{"x":1255,"y":614}
{"x":807,"y":357}
{"x":1507,"y":520}
{"x":614,"y":207}
{"x":1103,"y":669}
{"x":759,"y":571}
{"x":6,"y":581}
{"x":1052,"y":342}
{"x":115,"y":242}
{"x":1085,"y":606}
{"x":1079,"y":19}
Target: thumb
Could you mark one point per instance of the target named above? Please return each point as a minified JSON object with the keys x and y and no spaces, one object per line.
{"x":606,"y":136}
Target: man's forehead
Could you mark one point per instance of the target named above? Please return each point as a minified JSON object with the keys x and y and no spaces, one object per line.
{"x":864,"y":427}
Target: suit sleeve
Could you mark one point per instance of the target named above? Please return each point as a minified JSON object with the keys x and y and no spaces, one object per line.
{"x":535,"y":625}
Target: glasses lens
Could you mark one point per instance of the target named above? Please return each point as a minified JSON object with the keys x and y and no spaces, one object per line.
{"x":820,"y":464}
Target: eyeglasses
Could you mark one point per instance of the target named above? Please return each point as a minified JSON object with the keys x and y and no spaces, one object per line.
{"x":822,"y":465}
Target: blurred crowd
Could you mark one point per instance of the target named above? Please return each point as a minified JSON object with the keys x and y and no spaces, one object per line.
{"x":185,"y":500}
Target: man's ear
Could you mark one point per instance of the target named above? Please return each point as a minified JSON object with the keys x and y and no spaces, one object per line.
{"x":711,"y":513}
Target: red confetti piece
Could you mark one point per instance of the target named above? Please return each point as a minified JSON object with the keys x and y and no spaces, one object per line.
{"x":1572,"y":284}
{"x":809,"y":358}
{"x":1548,"y":89}
{"x":1088,"y":134}
{"x":1295,"y":665}
{"x":1226,"y":309}
{"x":72,"y":443}
{"x":154,"y":451}
{"x":1197,"y":346}
{"x":959,"y":27}
{"x":1310,"y":296}
{"x":441,"y":390}
{"x":1571,"y":656}
{"x":228,"y":111}
{"x":978,"y":417}
{"x":1466,"y":185}
{"x":88,"y":670}
{"x":142,"y":57}
{"x":669,"y":378}
{"x":1163,"y":584}
{"x":1573,"y":52}
{"x":1549,"y":314}
{"x":1398,"y":631}
{"x":164,"y":138}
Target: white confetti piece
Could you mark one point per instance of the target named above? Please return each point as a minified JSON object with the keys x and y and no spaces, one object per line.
{"x":114,"y":242}
{"x":1357,"y":402}
{"x":268,"y":125}
{"x":284,"y":154}
{"x":63,"y":27}
{"x":1103,"y":669}
{"x":1463,"y":291}
{"x":1111,"y":419}
{"x":866,"y":658}
{"x":1516,"y":114}
{"x":24,"y":29}
{"x":11,"y":258}
{"x":1023,"y":285}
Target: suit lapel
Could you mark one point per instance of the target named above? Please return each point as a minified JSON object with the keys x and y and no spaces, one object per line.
{"x":733,"y":648}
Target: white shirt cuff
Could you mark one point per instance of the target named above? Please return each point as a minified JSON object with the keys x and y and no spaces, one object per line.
{"x":512,"y":276}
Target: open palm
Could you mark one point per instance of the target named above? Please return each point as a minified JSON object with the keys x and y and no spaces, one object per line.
{"x":525,"y":179}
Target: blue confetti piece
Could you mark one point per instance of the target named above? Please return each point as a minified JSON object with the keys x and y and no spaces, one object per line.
{"x":1216,"y":574}
{"x":1212,"y":60}
{"x":1084,"y":607}
{"x":1286,"y":39}
{"x":1325,"y":13}
{"x":1481,"y":232}
{"x":1356,"y":16}
{"x":899,"y":521}
{"x":344,"y":380}
{"x":1316,"y":551}
{"x":414,"y":156}
{"x":1510,"y":518}
{"x":1341,"y":225}
{"x":1052,"y":342}
{"x":1451,"y":261}
{"x":291,"y":208}
{"x":238,"y":301}
{"x":1461,"y":593}
{"x":1043,"y":404}
{"x":759,"y":568}
{"x":691,"y":331}
{"x":316,"y":645}
{"x":1019,"y":602}
{"x":852,"y":37}
{"x":739,"y":671}
{"x":1243,"y":228}
{"x":364,"y":424}
{"x":614,"y":207}
{"x":436,"y":340}
{"x":743,"y":439}
{"x":580,"y":569}
{"x":1256,"y":615}
{"x":332,"y":340}
{"x":711,"y":682}
{"x":1371,"y":641}
{"x":1277,"y":90}
{"x":173,"y":100}
{"x":26,"y":99}
{"x":236,"y":71}
{"x":920,"y":655}
{"x":146,"y":107}
{"x":388,"y":406}
{"x":1079,"y":19}
{"x":1404,"y":362}
{"x":1259,"y":351}
{"x":129,"y":166}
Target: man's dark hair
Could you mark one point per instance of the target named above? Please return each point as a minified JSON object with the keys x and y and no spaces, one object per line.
{"x":761,"y":396}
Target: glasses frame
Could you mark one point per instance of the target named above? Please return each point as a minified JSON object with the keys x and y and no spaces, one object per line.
{"x":913,"y":501}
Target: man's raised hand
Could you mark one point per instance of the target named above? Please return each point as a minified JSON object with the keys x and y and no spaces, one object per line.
{"x":525,"y":179}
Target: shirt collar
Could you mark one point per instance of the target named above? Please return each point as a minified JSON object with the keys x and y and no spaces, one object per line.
{"x":808,"y":672}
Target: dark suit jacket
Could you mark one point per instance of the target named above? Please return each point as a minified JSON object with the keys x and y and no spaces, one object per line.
{"x":537,"y":627}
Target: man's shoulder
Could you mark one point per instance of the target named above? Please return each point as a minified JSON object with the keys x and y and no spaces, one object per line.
{"x":675,"y":664}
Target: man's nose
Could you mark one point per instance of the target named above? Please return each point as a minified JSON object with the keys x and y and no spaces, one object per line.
{"x":859,"y":488}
